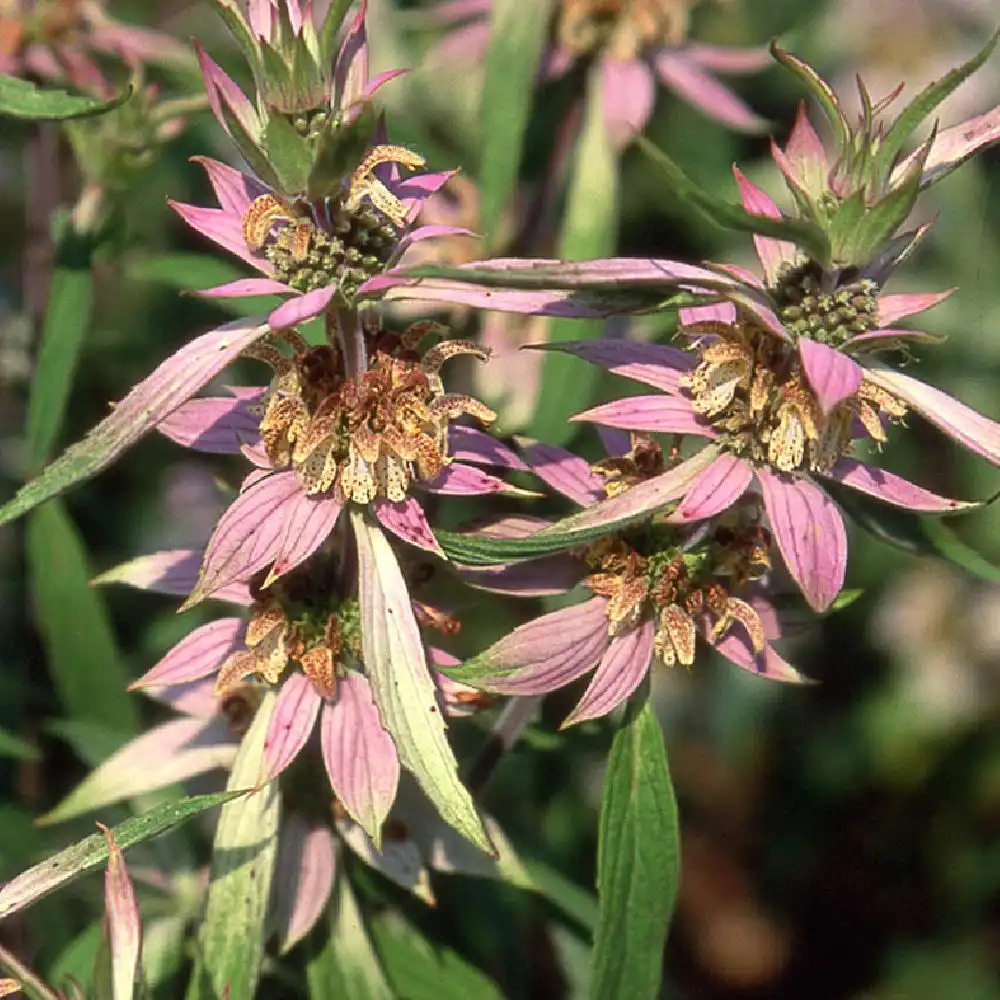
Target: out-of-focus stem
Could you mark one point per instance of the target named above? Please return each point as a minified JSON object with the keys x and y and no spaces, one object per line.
{"x":25,"y":976}
{"x":514,"y":716}
{"x":41,"y":183}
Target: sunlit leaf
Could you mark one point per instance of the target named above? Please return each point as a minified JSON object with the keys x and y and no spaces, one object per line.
{"x":23,"y":99}
{"x":91,"y":853}
{"x":638,"y":862}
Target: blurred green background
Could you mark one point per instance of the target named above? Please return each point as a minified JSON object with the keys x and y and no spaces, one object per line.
{"x":840,"y":840}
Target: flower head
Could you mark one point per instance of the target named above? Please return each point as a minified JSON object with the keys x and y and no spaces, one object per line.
{"x":657,"y":587}
{"x":636,"y":42}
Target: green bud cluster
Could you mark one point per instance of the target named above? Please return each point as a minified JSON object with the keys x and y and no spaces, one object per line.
{"x":358,"y":246}
{"x":831,"y":317}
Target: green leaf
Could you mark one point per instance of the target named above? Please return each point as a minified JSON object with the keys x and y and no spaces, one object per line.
{"x":729,"y":215}
{"x":924,"y":103}
{"x":13,"y":747}
{"x":339,"y":149}
{"x":236,"y":22}
{"x":590,"y":226}
{"x":92,"y":852}
{"x":243,"y":858}
{"x":419,"y":970}
{"x":638,"y":862}
{"x":175,"y":381}
{"x":819,"y":89}
{"x":31,"y":985}
{"x":401,"y":683}
{"x":22,"y":99}
{"x":330,"y":29}
{"x":517,"y":34}
{"x":82,"y":655}
{"x":346,"y":965}
{"x":67,"y":321}
{"x":288,"y":152}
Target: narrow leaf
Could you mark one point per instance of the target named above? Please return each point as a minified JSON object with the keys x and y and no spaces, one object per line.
{"x":22,"y":99}
{"x":589,"y":230}
{"x":729,"y":215}
{"x":67,"y":320}
{"x":174,"y":382}
{"x":81,"y":652}
{"x":91,"y":853}
{"x":13,"y":747}
{"x":346,"y":965}
{"x":401,"y":683}
{"x":638,"y":861}
{"x":924,"y":103}
{"x":517,"y":34}
{"x":243,"y":858}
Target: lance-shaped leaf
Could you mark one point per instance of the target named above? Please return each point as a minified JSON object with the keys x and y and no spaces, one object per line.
{"x":243,"y":857}
{"x":732,"y":216}
{"x":22,"y":99}
{"x":924,"y":103}
{"x":176,"y":380}
{"x":820,"y":90}
{"x":589,"y":229}
{"x":89,"y":854}
{"x":517,"y":34}
{"x":638,"y":863}
{"x":124,"y":925}
{"x":401,"y":683}
{"x":346,"y":965}
{"x":602,"y":518}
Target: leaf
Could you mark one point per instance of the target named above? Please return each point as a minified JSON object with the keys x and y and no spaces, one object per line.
{"x":67,"y":322}
{"x":401,"y":683}
{"x":517,"y":34}
{"x":13,"y":747}
{"x":243,"y":858}
{"x":820,"y":90}
{"x":590,"y":226}
{"x":91,"y":853}
{"x":22,"y":99}
{"x":924,"y":103}
{"x":566,"y":896}
{"x":729,"y":215}
{"x":123,"y":923}
{"x":173,"y":383}
{"x":24,"y":979}
{"x":420,"y":970}
{"x":81,"y":652}
{"x":638,"y":862}
{"x":346,"y":965}
{"x":288,"y":153}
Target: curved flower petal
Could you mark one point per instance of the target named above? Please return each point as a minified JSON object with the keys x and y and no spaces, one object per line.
{"x":895,"y":307}
{"x":234,"y":190}
{"x":468,"y":444}
{"x":771,"y":253}
{"x":531,"y":578}
{"x":217,"y":425}
{"x":832,"y":374}
{"x":350,"y":73}
{"x":700,"y":89}
{"x":197,"y":655}
{"x":244,"y":288}
{"x":735,"y":647}
{"x":290,"y":725}
{"x":303,"y":878}
{"x":715,"y":490}
{"x":717,"y":312}
{"x":810,"y":534}
{"x":727,"y":59}
{"x":565,"y":472}
{"x":301,"y":307}
{"x":803,"y":161}
{"x":619,"y":673}
{"x":892,"y":489}
{"x":652,"y":364}
{"x":172,"y":572}
{"x":458,"y":479}
{"x":628,"y":92}
{"x":965,"y":425}
{"x":546,"y":653}
{"x":406,"y":521}
{"x":666,"y":414}
{"x":221,"y":227}
{"x":360,"y":757}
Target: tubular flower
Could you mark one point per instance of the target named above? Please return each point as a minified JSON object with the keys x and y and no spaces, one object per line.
{"x":657,"y":587}
{"x":323,"y":439}
{"x":63,"y":40}
{"x":637,"y":43}
{"x":748,"y":392}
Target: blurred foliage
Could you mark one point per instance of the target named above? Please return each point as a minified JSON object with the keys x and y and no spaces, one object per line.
{"x":839,"y":841}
